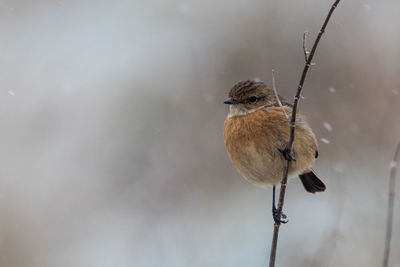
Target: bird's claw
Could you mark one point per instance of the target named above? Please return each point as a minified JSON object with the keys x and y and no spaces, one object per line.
{"x":287,"y":155}
{"x":279,"y":217}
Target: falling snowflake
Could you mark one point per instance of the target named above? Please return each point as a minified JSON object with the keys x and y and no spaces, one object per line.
{"x":393,"y":164}
{"x":326,"y":141}
{"x":339,"y":166}
{"x":328,"y":126}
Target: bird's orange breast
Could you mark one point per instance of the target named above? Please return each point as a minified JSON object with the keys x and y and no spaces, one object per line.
{"x":259,"y":128}
{"x":254,"y":141}
{"x":251,"y":144}
{"x":240,"y":131}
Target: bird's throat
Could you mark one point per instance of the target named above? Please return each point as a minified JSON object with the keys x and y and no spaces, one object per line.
{"x":239,"y":110}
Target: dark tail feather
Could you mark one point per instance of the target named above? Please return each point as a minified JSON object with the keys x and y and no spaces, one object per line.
{"x":311,"y":182}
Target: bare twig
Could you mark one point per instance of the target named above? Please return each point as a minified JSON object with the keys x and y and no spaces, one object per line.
{"x":306,"y":52}
{"x":277,"y":96}
{"x":292,"y":129}
{"x":389,"y":223}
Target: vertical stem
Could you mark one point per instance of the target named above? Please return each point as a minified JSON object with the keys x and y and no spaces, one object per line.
{"x":389,"y":222}
{"x":292,"y":130}
{"x":277,"y":224}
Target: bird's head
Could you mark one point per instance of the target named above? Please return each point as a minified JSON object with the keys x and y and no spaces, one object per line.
{"x":247,"y":96}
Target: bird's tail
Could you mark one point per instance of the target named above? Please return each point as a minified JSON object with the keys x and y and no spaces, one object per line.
{"x":311,"y":182}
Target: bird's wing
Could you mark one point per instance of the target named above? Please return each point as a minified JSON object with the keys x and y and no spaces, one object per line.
{"x":276,"y":125}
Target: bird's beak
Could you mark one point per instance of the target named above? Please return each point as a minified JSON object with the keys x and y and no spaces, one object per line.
{"x":230,"y":101}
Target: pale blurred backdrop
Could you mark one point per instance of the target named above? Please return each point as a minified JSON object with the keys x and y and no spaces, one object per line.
{"x":111,"y":141}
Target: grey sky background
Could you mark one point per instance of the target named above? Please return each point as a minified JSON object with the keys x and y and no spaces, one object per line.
{"x":111,"y":132}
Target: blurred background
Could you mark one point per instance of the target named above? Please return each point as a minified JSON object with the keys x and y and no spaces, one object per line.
{"x":111,"y":141}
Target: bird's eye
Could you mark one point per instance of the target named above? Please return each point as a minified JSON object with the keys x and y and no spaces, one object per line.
{"x":252,"y":99}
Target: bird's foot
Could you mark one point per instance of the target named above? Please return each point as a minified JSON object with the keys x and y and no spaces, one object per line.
{"x":287,"y":155}
{"x":279,"y":217}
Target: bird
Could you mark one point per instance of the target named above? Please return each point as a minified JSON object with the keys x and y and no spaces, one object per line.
{"x":256,"y":134}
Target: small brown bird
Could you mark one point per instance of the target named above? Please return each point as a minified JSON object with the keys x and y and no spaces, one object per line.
{"x":256,"y":133}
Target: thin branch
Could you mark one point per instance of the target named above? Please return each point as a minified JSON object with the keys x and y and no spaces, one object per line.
{"x":389,"y":223}
{"x":277,"y":96}
{"x":306,"y":52}
{"x":292,"y":129}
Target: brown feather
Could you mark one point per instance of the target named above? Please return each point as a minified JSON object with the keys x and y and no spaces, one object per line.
{"x":253,"y":142}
